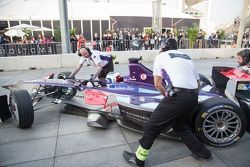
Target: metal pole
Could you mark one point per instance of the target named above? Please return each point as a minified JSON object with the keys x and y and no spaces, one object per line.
{"x":243,"y":22}
{"x":64,"y":25}
{"x":157,"y":16}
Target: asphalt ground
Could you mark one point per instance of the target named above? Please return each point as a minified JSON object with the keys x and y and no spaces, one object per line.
{"x":62,"y":140}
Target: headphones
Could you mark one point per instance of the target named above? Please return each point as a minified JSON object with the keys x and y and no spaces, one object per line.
{"x":169,"y":44}
{"x":83,"y":47}
{"x":245,"y":54}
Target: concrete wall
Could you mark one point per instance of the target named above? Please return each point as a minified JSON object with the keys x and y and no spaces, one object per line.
{"x":70,"y":60}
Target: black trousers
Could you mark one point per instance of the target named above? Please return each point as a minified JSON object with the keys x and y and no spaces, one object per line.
{"x":106,"y":69}
{"x":173,"y":111}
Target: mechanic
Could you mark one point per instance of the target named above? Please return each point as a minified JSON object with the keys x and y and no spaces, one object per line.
{"x":102,"y":60}
{"x":243,"y":58}
{"x":180,"y":98}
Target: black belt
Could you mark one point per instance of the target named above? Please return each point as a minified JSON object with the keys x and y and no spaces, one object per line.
{"x":184,"y":90}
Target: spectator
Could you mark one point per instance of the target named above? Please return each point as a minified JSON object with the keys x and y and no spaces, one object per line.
{"x":121,"y":38}
{"x":96,"y":40}
{"x":81,"y":41}
{"x":73,"y":42}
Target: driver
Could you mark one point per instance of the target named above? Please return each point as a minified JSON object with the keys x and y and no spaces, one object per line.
{"x":101,"y":60}
{"x":173,"y":110}
{"x":243,"y":58}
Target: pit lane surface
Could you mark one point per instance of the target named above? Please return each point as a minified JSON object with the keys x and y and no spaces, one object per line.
{"x":60,"y":140}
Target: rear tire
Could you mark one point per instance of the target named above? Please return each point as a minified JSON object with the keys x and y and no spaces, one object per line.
{"x":21,"y":108}
{"x":220,"y":122}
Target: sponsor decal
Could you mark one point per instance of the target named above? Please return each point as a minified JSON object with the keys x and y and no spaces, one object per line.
{"x":110,"y":106}
{"x":79,"y":96}
{"x":215,"y":107}
{"x":143,"y":76}
{"x":229,"y":107}
{"x":142,"y":98}
{"x":204,"y":115}
{"x":134,"y":115}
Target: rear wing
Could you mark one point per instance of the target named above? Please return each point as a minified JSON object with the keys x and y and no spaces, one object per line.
{"x":236,"y":81}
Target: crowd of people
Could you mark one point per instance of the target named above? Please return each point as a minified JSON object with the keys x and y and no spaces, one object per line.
{"x":39,"y":39}
{"x":122,"y":41}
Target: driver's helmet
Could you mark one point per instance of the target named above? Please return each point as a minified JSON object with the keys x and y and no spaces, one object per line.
{"x":114,"y":77}
{"x":245,"y":54}
{"x":168,"y":44}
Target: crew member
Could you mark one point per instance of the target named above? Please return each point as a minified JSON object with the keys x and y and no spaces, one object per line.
{"x":243,"y":58}
{"x":180,"y":98}
{"x":101,"y":60}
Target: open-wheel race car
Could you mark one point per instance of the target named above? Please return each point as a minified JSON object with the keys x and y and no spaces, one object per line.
{"x":220,"y":119}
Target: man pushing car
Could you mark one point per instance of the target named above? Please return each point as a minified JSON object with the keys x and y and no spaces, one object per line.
{"x":102,"y":60}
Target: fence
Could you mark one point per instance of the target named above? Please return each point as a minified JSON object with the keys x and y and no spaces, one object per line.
{"x":105,"y":45}
{"x":30,"y":49}
{"x":140,"y":44}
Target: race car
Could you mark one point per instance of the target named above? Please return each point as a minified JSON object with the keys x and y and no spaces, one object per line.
{"x":220,"y":119}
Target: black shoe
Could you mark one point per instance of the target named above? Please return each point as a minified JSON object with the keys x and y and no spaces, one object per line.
{"x":132,"y":160}
{"x":199,"y":158}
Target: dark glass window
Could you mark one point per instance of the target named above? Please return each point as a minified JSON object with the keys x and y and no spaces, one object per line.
{"x":14,"y":23}
{"x":86,"y":29}
{"x":36,"y":23}
{"x":70,"y":27}
{"x":77,"y":25}
{"x":96,"y":27}
{"x":48,"y":34}
{"x":35,"y":33}
{"x":3,"y":25}
{"x":105,"y":26}
{"x":25,"y":22}
{"x":47,"y":24}
{"x":56,"y":25}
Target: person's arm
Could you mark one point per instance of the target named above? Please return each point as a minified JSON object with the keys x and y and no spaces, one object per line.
{"x":158,"y":84}
{"x":75,"y":71}
{"x":98,"y":71}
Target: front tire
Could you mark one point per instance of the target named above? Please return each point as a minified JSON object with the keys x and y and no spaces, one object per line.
{"x":220,"y":122}
{"x":21,"y":108}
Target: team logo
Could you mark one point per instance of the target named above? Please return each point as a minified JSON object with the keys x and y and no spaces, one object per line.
{"x":143,"y":76}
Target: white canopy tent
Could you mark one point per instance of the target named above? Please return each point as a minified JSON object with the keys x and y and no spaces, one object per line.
{"x":13,"y":33}
{"x":28,"y":27}
{"x":79,"y":9}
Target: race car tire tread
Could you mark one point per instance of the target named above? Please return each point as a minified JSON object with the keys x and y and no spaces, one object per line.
{"x":25,"y":108}
{"x":211,"y":103}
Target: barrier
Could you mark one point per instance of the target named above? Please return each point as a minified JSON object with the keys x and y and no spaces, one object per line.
{"x":70,"y":60}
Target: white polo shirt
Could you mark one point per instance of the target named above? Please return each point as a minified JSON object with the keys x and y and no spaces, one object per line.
{"x":177,"y":69}
{"x":99,"y":58}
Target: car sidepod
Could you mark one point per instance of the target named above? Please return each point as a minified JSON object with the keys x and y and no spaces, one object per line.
{"x":219,"y":122}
